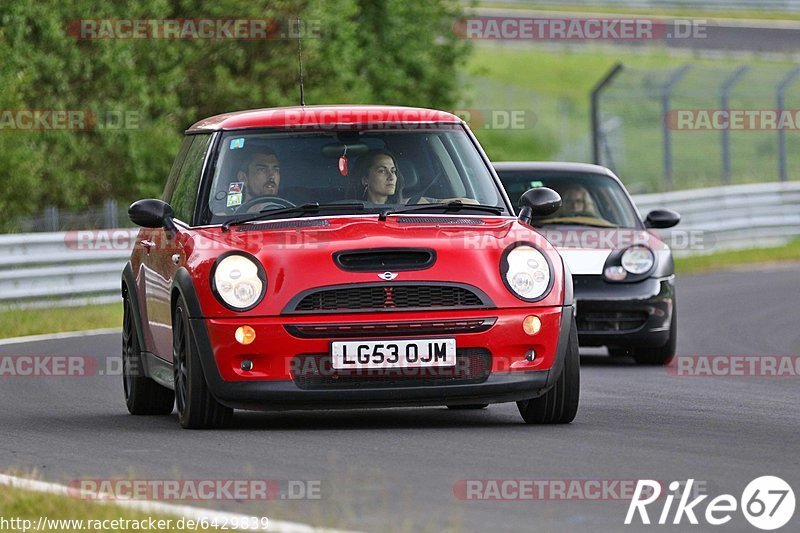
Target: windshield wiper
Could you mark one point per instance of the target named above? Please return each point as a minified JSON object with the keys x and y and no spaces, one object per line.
{"x":300,"y":209}
{"x":455,"y":205}
{"x":587,"y":224}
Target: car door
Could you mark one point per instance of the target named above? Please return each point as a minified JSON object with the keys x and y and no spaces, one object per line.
{"x":165,"y":253}
{"x":143,"y":248}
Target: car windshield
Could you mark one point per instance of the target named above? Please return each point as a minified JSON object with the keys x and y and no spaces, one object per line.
{"x":345,"y":172}
{"x":587,"y":199}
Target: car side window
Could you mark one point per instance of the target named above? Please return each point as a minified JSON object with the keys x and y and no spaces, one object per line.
{"x":184,"y":195}
{"x":176,"y":169}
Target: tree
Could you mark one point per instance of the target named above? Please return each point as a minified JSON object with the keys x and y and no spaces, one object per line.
{"x":365,"y":51}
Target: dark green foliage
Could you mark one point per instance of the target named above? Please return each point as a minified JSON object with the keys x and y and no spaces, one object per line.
{"x":367,"y":51}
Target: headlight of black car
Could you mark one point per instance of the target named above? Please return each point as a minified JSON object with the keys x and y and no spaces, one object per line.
{"x":632,"y":264}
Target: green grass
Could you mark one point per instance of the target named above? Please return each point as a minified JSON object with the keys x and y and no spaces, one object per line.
{"x":21,"y":322}
{"x":26,"y":505}
{"x":333,"y":510}
{"x":567,"y":74}
{"x":731,"y":259}
{"x":555,"y":84}
{"x":749,"y":14}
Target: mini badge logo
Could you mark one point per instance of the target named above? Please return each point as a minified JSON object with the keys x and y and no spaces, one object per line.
{"x":387,"y":276}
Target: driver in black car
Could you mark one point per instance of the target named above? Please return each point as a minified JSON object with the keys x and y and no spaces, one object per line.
{"x":577,"y":200}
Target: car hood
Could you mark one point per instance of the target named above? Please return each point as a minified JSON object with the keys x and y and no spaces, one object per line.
{"x":585,"y":249}
{"x":298,"y":254}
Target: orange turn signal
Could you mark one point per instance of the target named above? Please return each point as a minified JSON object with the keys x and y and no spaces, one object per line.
{"x":245,"y":335}
{"x":532,"y":324}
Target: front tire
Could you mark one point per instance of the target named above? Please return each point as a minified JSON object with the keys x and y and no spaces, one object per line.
{"x":143,"y":396}
{"x":197,"y":408}
{"x":559,"y":405}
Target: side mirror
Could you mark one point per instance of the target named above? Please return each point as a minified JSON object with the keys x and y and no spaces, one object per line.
{"x":662,"y":218}
{"x":538,"y":202}
{"x":152,"y":213}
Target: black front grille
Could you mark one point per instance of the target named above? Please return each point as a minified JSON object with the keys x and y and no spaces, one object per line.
{"x":390,"y":329}
{"x":314,"y":371}
{"x":610,"y":321}
{"x":390,"y":297}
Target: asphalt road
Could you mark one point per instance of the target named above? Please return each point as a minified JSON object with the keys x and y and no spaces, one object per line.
{"x":695,"y":33}
{"x":396,"y":469}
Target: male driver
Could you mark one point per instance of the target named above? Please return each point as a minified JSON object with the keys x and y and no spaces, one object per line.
{"x":261,"y":173}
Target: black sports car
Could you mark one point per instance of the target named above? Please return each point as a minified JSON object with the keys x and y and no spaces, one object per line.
{"x":624,"y":278}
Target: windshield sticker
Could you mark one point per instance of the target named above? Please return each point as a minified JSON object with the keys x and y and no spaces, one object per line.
{"x":534,"y":184}
{"x":235,"y":186}
{"x":237,"y":143}
{"x":234,"y":199}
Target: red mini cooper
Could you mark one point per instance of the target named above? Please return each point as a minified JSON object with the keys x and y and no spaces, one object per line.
{"x":343,"y":257}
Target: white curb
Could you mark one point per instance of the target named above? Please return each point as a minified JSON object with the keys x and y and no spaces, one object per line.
{"x":192,"y":513}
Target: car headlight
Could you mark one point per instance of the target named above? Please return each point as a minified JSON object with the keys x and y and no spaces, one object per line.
{"x":638,"y":259}
{"x":238,"y":281}
{"x":526,"y":272}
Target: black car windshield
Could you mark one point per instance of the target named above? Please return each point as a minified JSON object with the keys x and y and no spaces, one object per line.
{"x":257,"y":172}
{"x":587,"y":199}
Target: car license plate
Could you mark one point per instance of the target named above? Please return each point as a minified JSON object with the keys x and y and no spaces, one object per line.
{"x":393,"y":353}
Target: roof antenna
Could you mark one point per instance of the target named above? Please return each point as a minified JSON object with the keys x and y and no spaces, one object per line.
{"x":300,"y":59}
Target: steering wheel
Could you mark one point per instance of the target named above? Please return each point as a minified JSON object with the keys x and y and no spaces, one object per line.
{"x":578,"y":214}
{"x":414,"y":200}
{"x":264,"y":200}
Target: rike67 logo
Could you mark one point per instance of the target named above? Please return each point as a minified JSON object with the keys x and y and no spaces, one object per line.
{"x":767,"y":502}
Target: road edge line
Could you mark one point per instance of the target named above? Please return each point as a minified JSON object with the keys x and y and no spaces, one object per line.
{"x":57,"y":336}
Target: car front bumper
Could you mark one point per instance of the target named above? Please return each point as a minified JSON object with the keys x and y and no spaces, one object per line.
{"x":274,"y":381}
{"x":624,"y":314}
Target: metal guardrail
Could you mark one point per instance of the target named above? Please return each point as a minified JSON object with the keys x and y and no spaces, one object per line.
{"x":109,"y":215}
{"x":41,"y":269}
{"x":732,"y":217}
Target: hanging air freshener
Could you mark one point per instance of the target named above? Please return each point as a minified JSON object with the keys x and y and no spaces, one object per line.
{"x":343,"y":162}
